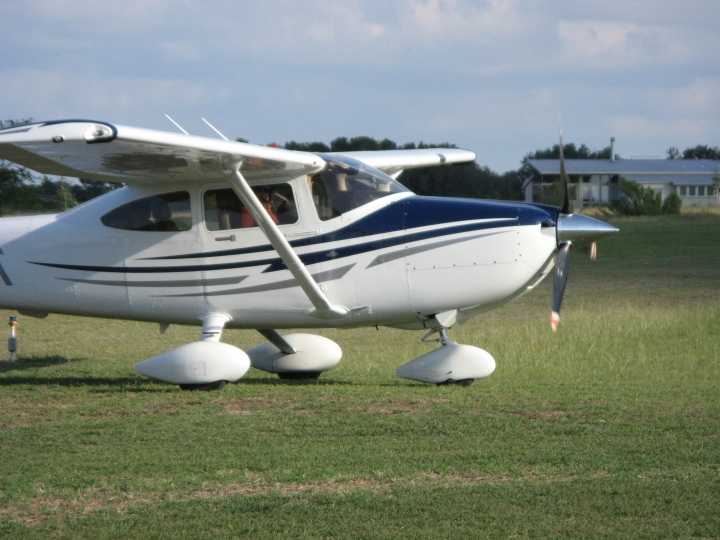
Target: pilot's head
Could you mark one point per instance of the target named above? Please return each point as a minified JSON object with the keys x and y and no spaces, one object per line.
{"x":161,"y":210}
{"x":263,"y":193}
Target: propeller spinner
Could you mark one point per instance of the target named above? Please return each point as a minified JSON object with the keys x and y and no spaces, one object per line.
{"x":573,"y":230}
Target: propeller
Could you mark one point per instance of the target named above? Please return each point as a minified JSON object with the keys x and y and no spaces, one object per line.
{"x":573,"y":230}
{"x":562,"y":268}
{"x":562,"y":259}
{"x":565,"y":210}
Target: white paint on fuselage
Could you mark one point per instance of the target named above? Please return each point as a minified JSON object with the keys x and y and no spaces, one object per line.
{"x":489,"y":268}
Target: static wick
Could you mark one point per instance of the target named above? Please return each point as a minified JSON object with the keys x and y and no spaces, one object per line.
{"x":12,"y":342}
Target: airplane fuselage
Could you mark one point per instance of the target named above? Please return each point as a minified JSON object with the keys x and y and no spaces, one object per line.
{"x":394,"y":261}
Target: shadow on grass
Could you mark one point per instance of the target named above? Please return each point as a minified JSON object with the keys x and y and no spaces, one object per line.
{"x":128,"y":383}
{"x":37,"y":362}
{"x":276,"y":381}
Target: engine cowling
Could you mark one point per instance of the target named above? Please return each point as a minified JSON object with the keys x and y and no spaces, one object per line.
{"x":314,"y":354}
{"x":197,"y":363}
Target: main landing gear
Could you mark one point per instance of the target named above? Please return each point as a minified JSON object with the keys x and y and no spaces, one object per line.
{"x":209,"y":365}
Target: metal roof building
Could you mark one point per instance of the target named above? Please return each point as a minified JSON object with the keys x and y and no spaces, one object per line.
{"x":594,"y":182}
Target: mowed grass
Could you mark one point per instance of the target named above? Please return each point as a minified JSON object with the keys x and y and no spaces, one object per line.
{"x":608,"y":428}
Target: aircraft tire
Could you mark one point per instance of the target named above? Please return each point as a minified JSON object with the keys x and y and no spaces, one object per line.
{"x":205,"y":387}
{"x":299,"y":375}
{"x":464,"y":383}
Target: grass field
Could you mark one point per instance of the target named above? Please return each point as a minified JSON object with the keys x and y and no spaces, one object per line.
{"x":608,"y":428}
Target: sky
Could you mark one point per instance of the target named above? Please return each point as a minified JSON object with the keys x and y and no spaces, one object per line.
{"x":492,"y":76}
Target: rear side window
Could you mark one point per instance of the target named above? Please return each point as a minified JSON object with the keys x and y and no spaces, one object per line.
{"x":169,"y":212}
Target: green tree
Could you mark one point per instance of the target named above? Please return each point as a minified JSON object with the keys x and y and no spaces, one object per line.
{"x":13,"y":123}
{"x":315,"y":146}
{"x":636,"y":200}
{"x":672,"y":204}
{"x":702,"y":152}
{"x":65,"y":199}
{"x":89,"y":189}
{"x":673,"y":153}
{"x":16,"y":182}
{"x":17,"y":190}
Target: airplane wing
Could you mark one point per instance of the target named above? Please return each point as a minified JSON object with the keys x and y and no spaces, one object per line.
{"x":393,"y":162}
{"x":102,"y":151}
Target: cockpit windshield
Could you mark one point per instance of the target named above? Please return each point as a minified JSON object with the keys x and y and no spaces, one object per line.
{"x":345,"y":184}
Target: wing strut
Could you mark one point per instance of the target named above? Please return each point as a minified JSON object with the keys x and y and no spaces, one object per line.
{"x":323,"y":307}
{"x":277,"y":339}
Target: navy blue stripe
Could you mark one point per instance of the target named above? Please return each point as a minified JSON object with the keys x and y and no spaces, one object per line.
{"x":409,"y":213}
{"x":348,"y":251}
{"x":156,"y":269}
{"x":209,"y":254}
{"x":276,"y":263}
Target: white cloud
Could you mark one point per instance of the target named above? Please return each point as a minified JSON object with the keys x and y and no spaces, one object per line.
{"x":181,"y":50}
{"x":595,"y":43}
{"x":490,"y":75}
{"x":48,"y":95}
{"x":636,"y":127}
{"x":457,"y":19}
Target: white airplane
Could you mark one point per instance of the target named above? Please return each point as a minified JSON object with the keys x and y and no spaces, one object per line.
{"x":222,"y":234}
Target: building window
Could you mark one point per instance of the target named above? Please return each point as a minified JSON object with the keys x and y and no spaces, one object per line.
{"x":683,"y":191}
{"x":691,"y":191}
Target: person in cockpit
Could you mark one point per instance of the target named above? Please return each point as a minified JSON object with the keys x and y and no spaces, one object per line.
{"x":162,"y":216}
{"x":264,"y":195}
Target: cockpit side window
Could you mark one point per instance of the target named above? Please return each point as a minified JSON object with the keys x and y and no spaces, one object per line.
{"x":224,"y":211}
{"x":169,"y":212}
{"x":348,"y":184}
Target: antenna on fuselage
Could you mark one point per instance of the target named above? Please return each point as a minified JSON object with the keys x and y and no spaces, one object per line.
{"x":177,"y":125}
{"x":214,"y":128}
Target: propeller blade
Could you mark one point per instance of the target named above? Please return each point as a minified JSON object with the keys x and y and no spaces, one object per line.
{"x":562,"y":267}
{"x":593,"y":251}
{"x":563,"y":179}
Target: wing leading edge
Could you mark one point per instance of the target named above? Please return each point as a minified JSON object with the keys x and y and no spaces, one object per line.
{"x":393,"y":162}
{"x":102,"y":151}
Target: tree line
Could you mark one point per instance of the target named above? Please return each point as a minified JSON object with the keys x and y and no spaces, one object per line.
{"x":23,"y":191}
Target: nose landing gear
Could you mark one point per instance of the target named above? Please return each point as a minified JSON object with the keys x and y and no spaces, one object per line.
{"x":451,"y":363}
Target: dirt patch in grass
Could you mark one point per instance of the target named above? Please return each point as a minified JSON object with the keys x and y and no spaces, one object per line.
{"x":390,"y":408}
{"x":246,"y":405}
{"x":530,"y":415}
{"x":396,"y":407}
{"x":43,"y":507}
{"x":25,"y":412}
